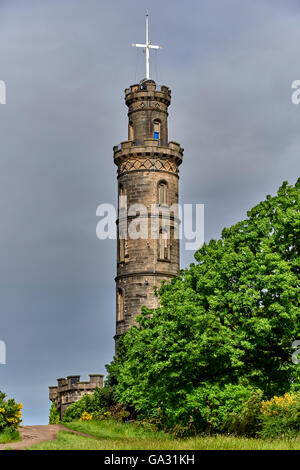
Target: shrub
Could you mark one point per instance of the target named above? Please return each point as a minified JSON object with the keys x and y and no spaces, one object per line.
{"x":9,"y":435}
{"x":210,"y":406}
{"x":280,"y":416}
{"x":248,"y":421}
{"x":86,"y":416}
{"x":105,"y":397}
{"x":10,"y":413}
{"x":54,"y":415}
{"x":75,"y":410}
{"x":95,"y":403}
{"x":117,"y":412}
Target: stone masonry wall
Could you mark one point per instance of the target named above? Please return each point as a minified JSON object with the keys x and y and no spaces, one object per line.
{"x":70,"y":389}
{"x":144,"y":161}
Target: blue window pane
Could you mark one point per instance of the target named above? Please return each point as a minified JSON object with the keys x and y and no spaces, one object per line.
{"x":156,"y":135}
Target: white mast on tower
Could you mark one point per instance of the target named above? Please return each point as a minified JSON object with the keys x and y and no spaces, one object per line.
{"x":146,"y":47}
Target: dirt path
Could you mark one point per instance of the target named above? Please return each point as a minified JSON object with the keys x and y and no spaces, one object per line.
{"x":32,"y":435}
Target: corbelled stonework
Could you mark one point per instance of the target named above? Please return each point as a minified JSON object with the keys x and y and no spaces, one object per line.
{"x":148,"y":174}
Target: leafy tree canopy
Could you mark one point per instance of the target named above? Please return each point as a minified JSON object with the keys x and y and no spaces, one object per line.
{"x":228,"y":320}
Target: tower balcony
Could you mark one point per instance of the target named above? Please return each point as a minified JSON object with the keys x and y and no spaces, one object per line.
{"x":147,"y":148}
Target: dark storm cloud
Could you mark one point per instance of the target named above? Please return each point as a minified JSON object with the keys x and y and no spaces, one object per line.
{"x":229,"y":64}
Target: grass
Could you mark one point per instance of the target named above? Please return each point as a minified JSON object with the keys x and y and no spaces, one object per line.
{"x":9,"y":436}
{"x":110,"y":435}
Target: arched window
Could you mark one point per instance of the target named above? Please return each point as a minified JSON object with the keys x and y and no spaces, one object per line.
{"x":122,"y":248}
{"x":164,"y":246}
{"x":130,"y":131}
{"x":122,"y":227}
{"x":120,"y":305}
{"x":162,"y":193}
{"x":156,"y":125}
{"x":122,"y":194}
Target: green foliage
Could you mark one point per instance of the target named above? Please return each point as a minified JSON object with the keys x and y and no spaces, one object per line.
{"x":54,"y":415}
{"x":281,"y":417}
{"x":10,"y":413}
{"x":95,"y":403}
{"x":227,"y":321}
{"x":246,"y":422}
{"x":108,"y":435}
{"x":117,"y":412}
{"x":9,"y":435}
{"x":76,"y":409}
{"x":210,"y":405}
{"x":105,"y":397}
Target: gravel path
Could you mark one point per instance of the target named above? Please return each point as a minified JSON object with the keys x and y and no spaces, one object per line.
{"x":35,"y":434}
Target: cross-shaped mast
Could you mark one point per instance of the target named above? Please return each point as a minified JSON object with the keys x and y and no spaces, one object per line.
{"x":147,"y":46}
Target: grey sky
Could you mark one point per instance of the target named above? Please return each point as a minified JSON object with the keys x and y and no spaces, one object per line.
{"x":66,"y":63}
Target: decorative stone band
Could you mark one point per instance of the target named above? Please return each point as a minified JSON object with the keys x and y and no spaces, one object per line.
{"x":146,"y":273}
{"x":147,"y":164}
{"x":148,"y":157}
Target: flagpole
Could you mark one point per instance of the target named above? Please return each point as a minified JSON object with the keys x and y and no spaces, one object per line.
{"x":147,"y":48}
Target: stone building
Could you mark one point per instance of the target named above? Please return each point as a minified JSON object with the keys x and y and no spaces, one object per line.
{"x":148,"y":174}
{"x":69,"y":390}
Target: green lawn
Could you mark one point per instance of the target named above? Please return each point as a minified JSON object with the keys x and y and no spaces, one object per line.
{"x":109,"y":435}
{"x":6,"y":436}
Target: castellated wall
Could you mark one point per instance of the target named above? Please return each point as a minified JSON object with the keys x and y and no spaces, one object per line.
{"x":69,"y":390}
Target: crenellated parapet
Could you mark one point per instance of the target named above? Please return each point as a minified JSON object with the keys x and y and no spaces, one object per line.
{"x":70,"y":389}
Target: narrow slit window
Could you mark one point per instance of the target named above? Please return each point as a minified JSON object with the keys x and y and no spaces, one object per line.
{"x":122,"y":197}
{"x":156,"y":124}
{"x":121,"y":250}
{"x":164,"y":246}
{"x":162,"y":193}
{"x":120,"y":313}
{"x":130,"y":131}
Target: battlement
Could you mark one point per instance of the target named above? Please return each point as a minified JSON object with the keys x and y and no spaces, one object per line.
{"x":70,"y":389}
{"x":148,"y":111}
{"x":147,"y":142}
{"x":147,"y":89}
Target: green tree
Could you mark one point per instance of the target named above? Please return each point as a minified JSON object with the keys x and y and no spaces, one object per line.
{"x":229,"y":319}
{"x":54,"y":415}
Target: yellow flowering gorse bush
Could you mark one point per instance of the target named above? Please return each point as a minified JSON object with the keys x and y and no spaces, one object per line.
{"x":86,"y":416}
{"x":278,"y":405}
{"x":10,"y":413}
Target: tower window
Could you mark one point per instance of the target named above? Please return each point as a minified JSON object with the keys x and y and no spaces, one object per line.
{"x":120,"y":306}
{"x":162,"y":193}
{"x":122,"y":196}
{"x":122,"y":249}
{"x":130,"y":131}
{"x":164,"y":246}
{"x":122,"y":227}
{"x":156,"y":125}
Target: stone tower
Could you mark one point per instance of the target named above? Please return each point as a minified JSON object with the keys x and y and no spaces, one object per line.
{"x":147,"y":174}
